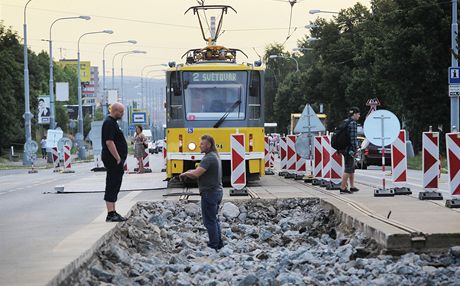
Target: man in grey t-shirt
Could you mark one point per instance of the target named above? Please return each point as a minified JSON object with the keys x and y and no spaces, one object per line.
{"x":209,"y":175}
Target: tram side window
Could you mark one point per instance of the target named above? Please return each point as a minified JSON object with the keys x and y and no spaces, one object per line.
{"x":176,"y":108}
{"x":254,"y":101}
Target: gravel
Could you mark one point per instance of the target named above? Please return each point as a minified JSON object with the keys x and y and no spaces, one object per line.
{"x":275,"y":242}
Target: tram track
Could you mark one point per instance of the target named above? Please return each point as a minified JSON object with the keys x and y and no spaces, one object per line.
{"x":416,"y":235}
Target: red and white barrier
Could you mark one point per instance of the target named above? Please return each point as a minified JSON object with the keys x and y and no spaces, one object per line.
{"x":291,"y":154}
{"x":318,"y":157}
{"x":271,"y":159}
{"x":267,"y":152}
{"x":146,"y":159}
{"x":238,"y":163}
{"x":430,"y":143}
{"x":399,"y":159}
{"x":165,"y":157}
{"x":337,"y":166}
{"x":453,"y":163}
{"x":55,"y":155}
{"x":301,"y":166}
{"x":326,"y":157}
{"x":283,"y":153}
{"x":67,"y":160}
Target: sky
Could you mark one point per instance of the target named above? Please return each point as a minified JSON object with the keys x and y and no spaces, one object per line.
{"x":160,"y":28}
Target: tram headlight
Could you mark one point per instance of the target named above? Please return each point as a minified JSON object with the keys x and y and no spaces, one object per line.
{"x":191,"y":146}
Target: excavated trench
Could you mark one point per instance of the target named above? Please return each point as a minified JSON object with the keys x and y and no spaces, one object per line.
{"x":267,"y":242}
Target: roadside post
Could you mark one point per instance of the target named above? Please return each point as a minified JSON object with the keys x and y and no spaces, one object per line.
{"x":381,"y":128}
{"x":453,"y":165}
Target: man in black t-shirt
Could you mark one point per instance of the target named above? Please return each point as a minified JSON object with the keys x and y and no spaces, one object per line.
{"x":114,"y":153}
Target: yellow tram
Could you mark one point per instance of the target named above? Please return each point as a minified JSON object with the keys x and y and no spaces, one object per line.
{"x":213,"y":94}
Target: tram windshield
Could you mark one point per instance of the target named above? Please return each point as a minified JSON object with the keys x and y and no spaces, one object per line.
{"x":209,"y":95}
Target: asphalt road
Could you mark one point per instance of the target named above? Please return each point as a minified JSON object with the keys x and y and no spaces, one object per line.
{"x":32,"y":222}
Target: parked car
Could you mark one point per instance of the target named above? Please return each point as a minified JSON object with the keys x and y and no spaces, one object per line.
{"x":372,"y":155}
{"x":158,"y":146}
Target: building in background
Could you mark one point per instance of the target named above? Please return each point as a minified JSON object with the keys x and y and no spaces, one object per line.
{"x":90,"y":90}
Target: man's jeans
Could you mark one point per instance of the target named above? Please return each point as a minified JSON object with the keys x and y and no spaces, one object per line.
{"x":210,"y":202}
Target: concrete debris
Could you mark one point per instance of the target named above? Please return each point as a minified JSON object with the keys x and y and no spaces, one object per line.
{"x":276,"y":242}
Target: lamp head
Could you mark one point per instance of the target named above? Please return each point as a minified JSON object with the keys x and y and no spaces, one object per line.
{"x":85,"y":17}
{"x":314,"y":11}
{"x":107,"y":31}
{"x":132,"y":41}
{"x":138,"y":52}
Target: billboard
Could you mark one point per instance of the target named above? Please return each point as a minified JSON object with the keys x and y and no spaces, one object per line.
{"x":62,"y":91}
{"x":43,"y":109}
{"x":72,"y":111}
{"x":85,"y":68}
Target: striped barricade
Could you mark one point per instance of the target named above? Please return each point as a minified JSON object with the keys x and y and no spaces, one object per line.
{"x":399,"y":164}
{"x":337,"y":169}
{"x":268,"y":155}
{"x":430,"y":155}
{"x":283,"y":156}
{"x":453,"y":166}
{"x":67,"y":160}
{"x":238,"y":165}
{"x":317,"y":160}
{"x":291,"y":157}
{"x":55,"y":156}
{"x":326,"y":159}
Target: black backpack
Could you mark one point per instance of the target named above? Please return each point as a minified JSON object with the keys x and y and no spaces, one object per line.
{"x":341,"y":138}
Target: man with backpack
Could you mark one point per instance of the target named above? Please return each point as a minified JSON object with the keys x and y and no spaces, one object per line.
{"x":346,"y":142}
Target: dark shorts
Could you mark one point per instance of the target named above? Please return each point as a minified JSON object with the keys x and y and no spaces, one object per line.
{"x":113,"y":178}
{"x":349,"y":164}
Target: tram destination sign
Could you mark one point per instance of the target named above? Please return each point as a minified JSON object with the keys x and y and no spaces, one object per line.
{"x":214,"y":76}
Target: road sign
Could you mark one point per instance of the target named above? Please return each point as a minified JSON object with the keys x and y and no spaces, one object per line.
{"x":53,"y":136}
{"x":303,"y":145}
{"x":309,"y":122}
{"x":31,"y":147}
{"x":381,"y":127}
{"x":139,"y":117}
{"x":95,"y":136}
{"x":454,"y":75}
{"x":454,"y":90}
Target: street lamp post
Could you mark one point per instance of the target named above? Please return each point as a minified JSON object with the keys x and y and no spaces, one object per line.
{"x":280,"y":56}
{"x":124,"y":120}
{"x":27,"y":115}
{"x":142,"y":77}
{"x":104,"y":96}
{"x":454,"y":100}
{"x":51,"y":81}
{"x":80,"y":136}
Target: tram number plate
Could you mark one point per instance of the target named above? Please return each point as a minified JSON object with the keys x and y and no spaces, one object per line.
{"x":219,"y":146}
